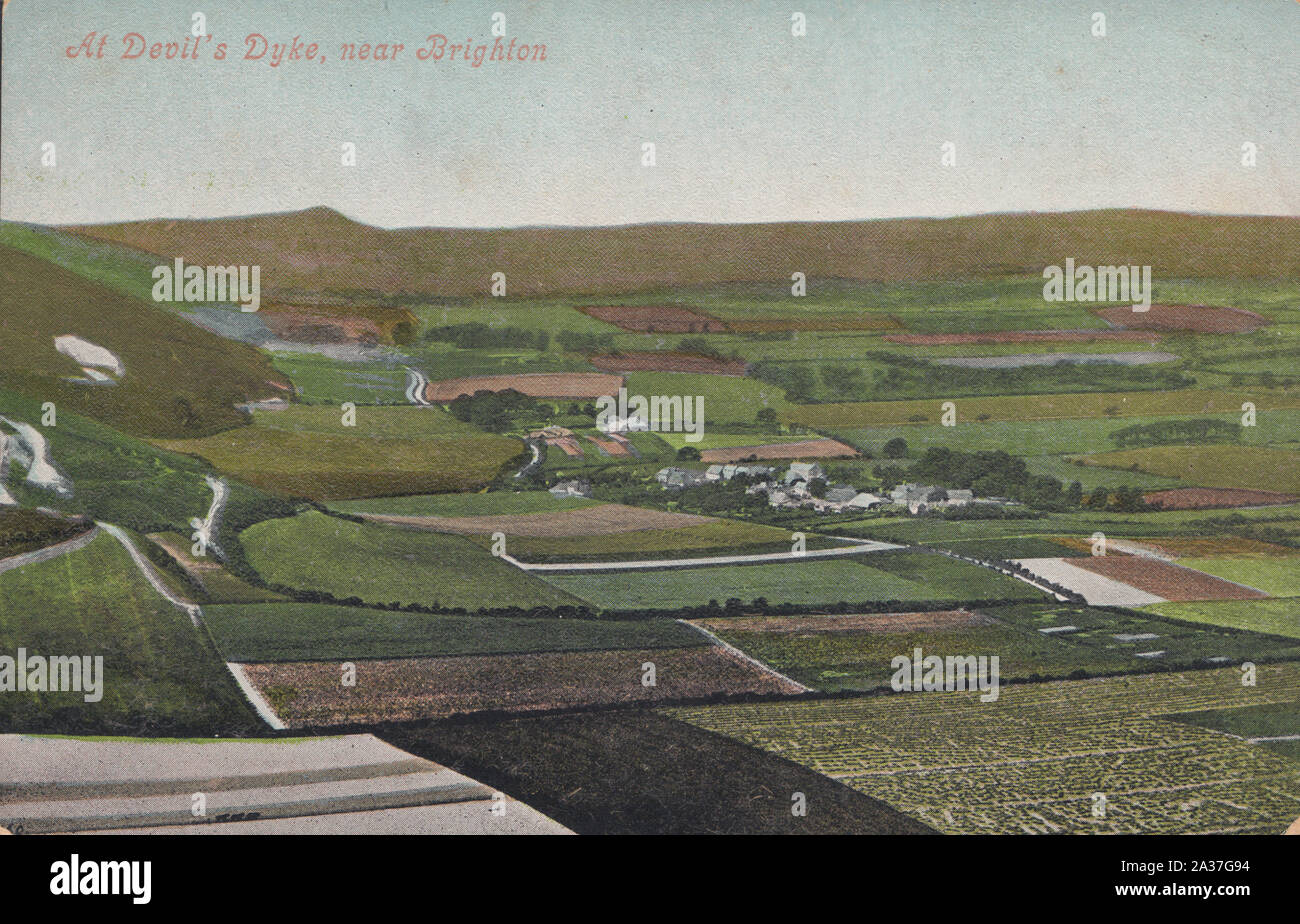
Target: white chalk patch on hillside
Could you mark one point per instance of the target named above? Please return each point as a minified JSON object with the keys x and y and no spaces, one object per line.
{"x":29,"y":447}
{"x":85,"y":353}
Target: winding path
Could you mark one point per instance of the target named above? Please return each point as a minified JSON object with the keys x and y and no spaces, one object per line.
{"x":50,"y":551}
{"x":415,"y":388}
{"x":147,"y":569}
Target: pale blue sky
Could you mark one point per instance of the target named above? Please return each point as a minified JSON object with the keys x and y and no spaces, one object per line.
{"x":749,"y":123}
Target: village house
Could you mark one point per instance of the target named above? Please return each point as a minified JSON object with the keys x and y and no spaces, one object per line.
{"x":803,"y":471}
{"x":841,"y":494}
{"x":728,"y":472}
{"x":865,"y":501}
{"x":574,"y":488}
{"x":674,"y":477}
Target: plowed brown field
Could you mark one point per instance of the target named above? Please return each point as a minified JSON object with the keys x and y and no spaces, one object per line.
{"x":1165,"y":580}
{"x":873,"y":622}
{"x":808,"y":449}
{"x":1205,"y":319}
{"x":396,"y":690}
{"x":537,"y":385}
{"x":1209,"y":498}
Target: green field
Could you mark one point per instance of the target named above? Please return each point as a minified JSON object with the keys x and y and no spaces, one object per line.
{"x":322,"y":632}
{"x":306,"y":451}
{"x":1251,"y":467}
{"x":1051,"y":437}
{"x":1277,"y":577}
{"x":724,"y":537}
{"x":727,"y":399}
{"x":1090,"y":478}
{"x":484,"y":504}
{"x":549,"y":314}
{"x":1275,"y":617}
{"x":406,"y":422}
{"x":860,"y":660}
{"x":381,"y":564}
{"x":219,"y":585}
{"x":897,"y":576}
{"x":322,"y":380}
{"x":1190,"y":403}
{"x":1007,"y":549}
{"x":161,"y":674}
{"x":1270,"y":720}
{"x":1030,"y":761}
{"x":1082,"y":524}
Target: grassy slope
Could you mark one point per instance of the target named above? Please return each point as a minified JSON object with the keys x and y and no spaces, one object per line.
{"x":492,"y":503}
{"x":162,"y":676}
{"x":1252,"y":467}
{"x":1048,"y":437}
{"x":180,"y":379}
{"x":115,"y":477}
{"x":392,"y":450}
{"x":384,"y":564}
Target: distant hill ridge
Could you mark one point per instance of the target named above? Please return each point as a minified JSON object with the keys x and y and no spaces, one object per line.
{"x":319,"y":252}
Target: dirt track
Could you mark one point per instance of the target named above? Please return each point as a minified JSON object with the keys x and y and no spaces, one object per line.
{"x":578,"y":385}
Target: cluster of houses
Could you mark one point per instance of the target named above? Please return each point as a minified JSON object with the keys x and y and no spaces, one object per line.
{"x":786,"y":491}
{"x":791,"y":490}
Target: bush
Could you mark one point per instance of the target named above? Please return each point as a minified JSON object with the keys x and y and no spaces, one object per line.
{"x":895,"y":448}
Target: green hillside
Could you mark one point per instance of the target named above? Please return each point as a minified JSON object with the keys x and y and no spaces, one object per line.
{"x":179,"y":381}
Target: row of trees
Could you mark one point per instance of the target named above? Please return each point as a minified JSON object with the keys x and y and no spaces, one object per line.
{"x":476,"y":335}
{"x":497,"y":411}
{"x":1195,"y":430}
{"x":898,"y":377}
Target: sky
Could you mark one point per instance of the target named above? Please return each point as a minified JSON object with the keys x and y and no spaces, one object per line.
{"x":749,"y":122}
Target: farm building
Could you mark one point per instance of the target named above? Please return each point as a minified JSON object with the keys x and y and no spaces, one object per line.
{"x":865,"y":501}
{"x":803,"y":471}
{"x":575,"y":488}
{"x":841,"y":494}
{"x":674,"y":477}
{"x":727,"y":472}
